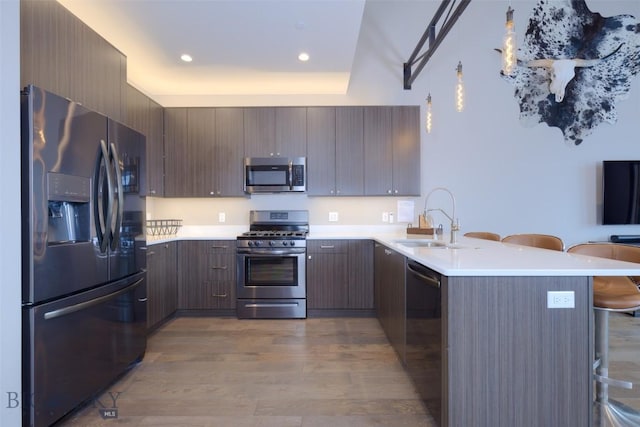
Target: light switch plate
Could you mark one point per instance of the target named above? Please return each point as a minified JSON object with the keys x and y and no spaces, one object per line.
{"x":333,"y":216}
{"x":222,"y":217}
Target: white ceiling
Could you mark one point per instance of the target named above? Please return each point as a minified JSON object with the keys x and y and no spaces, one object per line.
{"x":239,"y":47}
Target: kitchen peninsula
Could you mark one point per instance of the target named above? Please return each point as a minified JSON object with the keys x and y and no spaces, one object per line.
{"x":507,"y":359}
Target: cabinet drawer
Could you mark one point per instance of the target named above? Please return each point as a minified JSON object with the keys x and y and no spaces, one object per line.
{"x":327,"y":246}
{"x":221,"y":246}
{"x":221,"y":266}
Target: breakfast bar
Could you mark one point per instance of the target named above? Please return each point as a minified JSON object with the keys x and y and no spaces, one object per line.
{"x":508,"y":358}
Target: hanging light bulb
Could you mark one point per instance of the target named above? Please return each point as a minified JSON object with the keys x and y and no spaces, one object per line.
{"x":459,"y":89}
{"x":429,"y":113}
{"x":509,"y":46}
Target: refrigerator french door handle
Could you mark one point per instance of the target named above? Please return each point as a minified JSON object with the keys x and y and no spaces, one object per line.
{"x":115,"y":231}
{"x":103,"y":218}
{"x":83,"y":305}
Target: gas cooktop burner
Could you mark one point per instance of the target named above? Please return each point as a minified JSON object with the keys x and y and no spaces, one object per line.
{"x":275,"y":233}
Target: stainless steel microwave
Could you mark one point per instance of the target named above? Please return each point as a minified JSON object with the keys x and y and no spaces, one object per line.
{"x":275,"y":175}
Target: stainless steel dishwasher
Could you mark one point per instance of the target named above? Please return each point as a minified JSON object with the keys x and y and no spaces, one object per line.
{"x":424,"y":335}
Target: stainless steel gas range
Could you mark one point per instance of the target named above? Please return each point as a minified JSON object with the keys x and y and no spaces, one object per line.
{"x":271,"y":263}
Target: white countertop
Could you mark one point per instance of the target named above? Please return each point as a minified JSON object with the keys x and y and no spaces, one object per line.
{"x":470,"y":257}
{"x":477,"y":257}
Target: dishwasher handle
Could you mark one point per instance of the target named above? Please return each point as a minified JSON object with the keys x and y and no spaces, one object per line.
{"x":431,"y":280}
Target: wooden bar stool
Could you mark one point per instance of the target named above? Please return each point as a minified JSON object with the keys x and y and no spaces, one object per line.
{"x":610,"y":293}
{"x":486,"y":235}
{"x":544,"y":241}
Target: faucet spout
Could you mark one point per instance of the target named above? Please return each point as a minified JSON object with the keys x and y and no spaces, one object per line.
{"x":455,"y":223}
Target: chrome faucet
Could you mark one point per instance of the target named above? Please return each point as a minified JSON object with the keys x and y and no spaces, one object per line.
{"x":455,"y":222}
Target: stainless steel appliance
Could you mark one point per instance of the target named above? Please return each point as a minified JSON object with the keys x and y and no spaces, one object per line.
{"x":271,"y":265}
{"x":274,"y":174}
{"x":424,"y":335}
{"x":83,"y":263}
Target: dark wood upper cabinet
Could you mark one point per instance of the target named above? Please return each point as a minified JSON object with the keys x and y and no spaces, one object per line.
{"x":335,"y":150}
{"x":201,"y":130}
{"x":349,"y":151}
{"x":392,"y":151}
{"x":291,"y":131}
{"x":155,"y":150}
{"x":378,"y":151}
{"x":61,"y":54}
{"x":229,"y":151}
{"x":259,"y":132}
{"x":321,"y":151}
{"x":203,"y":150}
{"x":146,"y":116}
{"x":176,"y":149}
{"x":406,"y":150}
{"x":275,"y":132}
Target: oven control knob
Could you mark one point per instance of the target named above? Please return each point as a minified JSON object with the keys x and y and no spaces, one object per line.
{"x":249,"y":243}
{"x":292,"y":243}
{"x":272,"y":243}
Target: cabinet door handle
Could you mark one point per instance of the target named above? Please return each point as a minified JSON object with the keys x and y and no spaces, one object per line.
{"x":327,"y":246}
{"x":219,"y":247}
{"x":219,"y":295}
{"x":150,"y":253}
{"x":221,"y":267}
{"x":309,"y":257}
{"x":387,"y":252}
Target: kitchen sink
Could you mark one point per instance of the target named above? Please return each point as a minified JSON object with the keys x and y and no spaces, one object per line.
{"x":421,"y":243}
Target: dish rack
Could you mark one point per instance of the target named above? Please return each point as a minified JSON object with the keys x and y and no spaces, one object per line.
{"x":163,"y":227}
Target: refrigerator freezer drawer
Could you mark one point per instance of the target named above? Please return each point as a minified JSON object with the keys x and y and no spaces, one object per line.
{"x":75,"y":347}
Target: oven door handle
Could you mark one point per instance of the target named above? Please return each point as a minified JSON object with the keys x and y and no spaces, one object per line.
{"x":272,"y":251}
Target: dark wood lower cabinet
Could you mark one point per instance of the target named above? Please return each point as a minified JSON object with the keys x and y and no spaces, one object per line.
{"x":390,"y":296}
{"x":340,"y":274}
{"x":207,"y":274}
{"x":162,"y":282}
{"x":327,"y":278}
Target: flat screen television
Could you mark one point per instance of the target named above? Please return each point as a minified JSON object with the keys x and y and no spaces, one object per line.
{"x":621,"y":192}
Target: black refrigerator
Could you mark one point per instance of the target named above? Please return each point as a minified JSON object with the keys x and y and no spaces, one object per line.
{"x":83,"y":254}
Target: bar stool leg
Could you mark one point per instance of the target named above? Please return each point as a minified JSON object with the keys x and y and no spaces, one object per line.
{"x":608,"y":412}
{"x":602,"y":353}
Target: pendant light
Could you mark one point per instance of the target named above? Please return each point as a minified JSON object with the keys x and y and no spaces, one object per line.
{"x":429,"y":118}
{"x":509,"y":45}
{"x":459,"y":89}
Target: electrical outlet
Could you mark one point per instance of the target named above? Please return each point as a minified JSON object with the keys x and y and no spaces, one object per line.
{"x":385,"y":216}
{"x":333,"y":216}
{"x":222,"y":217}
{"x":561,"y":299}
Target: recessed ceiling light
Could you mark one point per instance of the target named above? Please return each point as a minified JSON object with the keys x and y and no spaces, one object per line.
{"x":186,"y":58}
{"x":304,"y":56}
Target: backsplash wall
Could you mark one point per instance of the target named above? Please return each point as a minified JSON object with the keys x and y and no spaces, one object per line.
{"x":205,"y":211}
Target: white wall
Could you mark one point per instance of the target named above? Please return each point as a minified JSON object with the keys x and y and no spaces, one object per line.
{"x":10,"y":297}
{"x":506,"y":178}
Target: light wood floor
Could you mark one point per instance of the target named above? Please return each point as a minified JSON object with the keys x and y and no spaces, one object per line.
{"x":335,"y":372}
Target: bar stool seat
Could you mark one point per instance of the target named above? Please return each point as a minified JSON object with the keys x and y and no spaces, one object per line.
{"x":615,"y":292}
{"x":610,"y":294}
{"x":485,"y":235}
{"x":544,"y":241}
